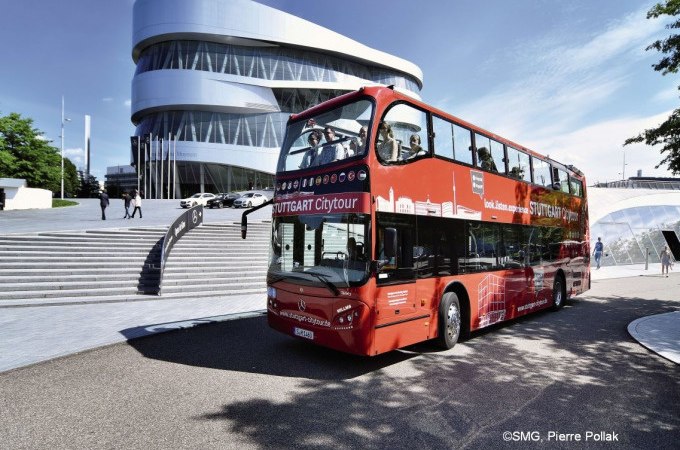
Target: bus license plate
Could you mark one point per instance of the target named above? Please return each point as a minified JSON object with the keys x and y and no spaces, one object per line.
{"x":303,"y":333}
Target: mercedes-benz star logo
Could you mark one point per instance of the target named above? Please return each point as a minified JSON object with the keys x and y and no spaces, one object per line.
{"x":301,"y":305}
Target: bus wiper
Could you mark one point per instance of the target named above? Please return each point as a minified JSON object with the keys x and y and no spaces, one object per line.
{"x":331,"y":287}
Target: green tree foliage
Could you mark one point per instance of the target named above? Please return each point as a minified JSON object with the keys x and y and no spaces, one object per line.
{"x":89,"y":187}
{"x":668,"y":133}
{"x":24,"y":153}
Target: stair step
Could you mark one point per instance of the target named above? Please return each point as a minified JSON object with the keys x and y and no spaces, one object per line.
{"x":121,"y":264}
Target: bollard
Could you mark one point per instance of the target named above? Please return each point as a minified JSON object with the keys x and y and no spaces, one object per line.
{"x":646,"y":258}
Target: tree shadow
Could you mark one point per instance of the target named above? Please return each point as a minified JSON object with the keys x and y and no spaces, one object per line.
{"x":576,"y":370}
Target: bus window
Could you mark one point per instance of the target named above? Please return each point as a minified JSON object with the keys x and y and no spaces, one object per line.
{"x":498,"y":155}
{"x":443,"y":137}
{"x":462,"y":144}
{"x":484,"y":159}
{"x":576,"y":186}
{"x":437,"y":247}
{"x":560,"y":176}
{"x":484,"y":247}
{"x":514,"y":251}
{"x":518,"y":165}
{"x":541,"y":172}
{"x":326,"y":138}
{"x":400,"y":266}
{"x":409,"y":129}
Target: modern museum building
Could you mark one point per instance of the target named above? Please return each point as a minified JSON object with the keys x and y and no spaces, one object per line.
{"x":216,"y":80}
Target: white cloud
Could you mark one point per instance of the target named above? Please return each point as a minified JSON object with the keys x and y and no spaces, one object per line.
{"x":76,"y":155}
{"x":560,"y":83}
{"x":107,"y":99}
{"x":598,"y":149}
{"x":128,"y":102}
{"x":552,"y":84}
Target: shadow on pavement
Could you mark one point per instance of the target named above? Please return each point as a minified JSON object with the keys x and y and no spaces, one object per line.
{"x":249,"y":345}
{"x":576,"y":370}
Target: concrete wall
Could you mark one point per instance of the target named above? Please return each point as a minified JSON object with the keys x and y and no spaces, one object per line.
{"x":22,"y":197}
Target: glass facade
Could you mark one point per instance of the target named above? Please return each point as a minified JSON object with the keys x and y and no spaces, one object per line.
{"x":628,"y":233}
{"x":253,"y":130}
{"x":269,"y":63}
{"x":262,"y":130}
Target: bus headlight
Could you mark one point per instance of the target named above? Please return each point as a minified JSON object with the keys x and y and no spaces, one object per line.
{"x":271,"y":292}
{"x":346,"y":320}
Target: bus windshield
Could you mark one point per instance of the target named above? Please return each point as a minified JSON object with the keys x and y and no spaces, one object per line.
{"x":328,"y":137}
{"x":321,"y":250}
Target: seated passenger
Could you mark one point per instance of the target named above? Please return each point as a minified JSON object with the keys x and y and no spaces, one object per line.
{"x":416,"y":149}
{"x":310,"y":155}
{"x":330,"y":151}
{"x":388,"y":149}
{"x":485,"y":160}
{"x":517,"y":172}
{"x":358,"y":144}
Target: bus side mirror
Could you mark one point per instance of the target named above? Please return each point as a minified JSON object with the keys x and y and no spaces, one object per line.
{"x":557,"y":186}
{"x":390,"y":243}
{"x":244,"y":226}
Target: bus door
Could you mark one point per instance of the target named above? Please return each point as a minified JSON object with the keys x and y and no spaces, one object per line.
{"x":398,"y":320}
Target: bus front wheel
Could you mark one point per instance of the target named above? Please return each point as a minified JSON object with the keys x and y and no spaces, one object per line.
{"x":559,"y":293}
{"x":449,"y":320}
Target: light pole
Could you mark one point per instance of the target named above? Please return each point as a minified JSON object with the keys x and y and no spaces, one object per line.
{"x":63,"y":121}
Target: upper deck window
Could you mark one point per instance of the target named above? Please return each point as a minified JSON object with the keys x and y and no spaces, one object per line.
{"x":560,"y":176}
{"x":576,"y":186}
{"x":518,"y":165}
{"x":402,"y":134}
{"x":490,"y":155}
{"x":452,"y":141}
{"x":541,"y":172}
{"x":328,"y":137}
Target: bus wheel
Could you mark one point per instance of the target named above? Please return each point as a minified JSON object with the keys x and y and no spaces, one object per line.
{"x":559,"y":294}
{"x":449,"y":320}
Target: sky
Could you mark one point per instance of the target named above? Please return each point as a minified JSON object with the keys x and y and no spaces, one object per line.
{"x":570,"y":79}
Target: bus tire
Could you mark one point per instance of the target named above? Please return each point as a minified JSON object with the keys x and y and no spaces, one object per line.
{"x":449,"y":321}
{"x":559,"y":294}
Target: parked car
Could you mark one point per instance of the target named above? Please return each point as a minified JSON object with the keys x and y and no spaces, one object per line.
{"x":197,"y":199}
{"x":222,"y":200}
{"x":249,"y":200}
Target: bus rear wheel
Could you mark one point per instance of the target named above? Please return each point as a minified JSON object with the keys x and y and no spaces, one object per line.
{"x":449,"y":321}
{"x":559,"y":293}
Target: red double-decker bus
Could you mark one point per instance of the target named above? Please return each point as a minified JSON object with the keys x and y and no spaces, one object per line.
{"x":395,"y":223}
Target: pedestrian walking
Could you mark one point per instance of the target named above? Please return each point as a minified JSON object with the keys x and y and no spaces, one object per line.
{"x":665,"y":257}
{"x":599,"y":248}
{"x":127,"y":201}
{"x":103,"y":202}
{"x":137,"y":202}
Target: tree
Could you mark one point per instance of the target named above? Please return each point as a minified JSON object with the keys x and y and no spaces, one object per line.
{"x":89,"y":187}
{"x":668,"y":133}
{"x":25,"y":153}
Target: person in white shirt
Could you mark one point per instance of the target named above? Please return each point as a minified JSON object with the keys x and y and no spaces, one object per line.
{"x":330,"y":151}
{"x":137,"y":202}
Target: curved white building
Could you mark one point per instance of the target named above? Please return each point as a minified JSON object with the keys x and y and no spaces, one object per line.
{"x":632,"y":222}
{"x":221,"y":78}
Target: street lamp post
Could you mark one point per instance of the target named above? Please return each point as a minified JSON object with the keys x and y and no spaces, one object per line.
{"x":63,"y":121}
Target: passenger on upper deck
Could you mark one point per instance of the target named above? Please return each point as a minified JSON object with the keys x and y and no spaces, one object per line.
{"x":388,"y":149}
{"x":358,"y":144}
{"x":416,"y":149}
{"x":310,"y":155}
{"x":330,"y":151}
{"x":485,"y":160}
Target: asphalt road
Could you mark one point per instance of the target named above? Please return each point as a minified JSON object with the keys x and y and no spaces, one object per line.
{"x":240,"y":385}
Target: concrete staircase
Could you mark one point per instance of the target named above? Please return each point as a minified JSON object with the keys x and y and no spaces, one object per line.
{"x":123,"y":265}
